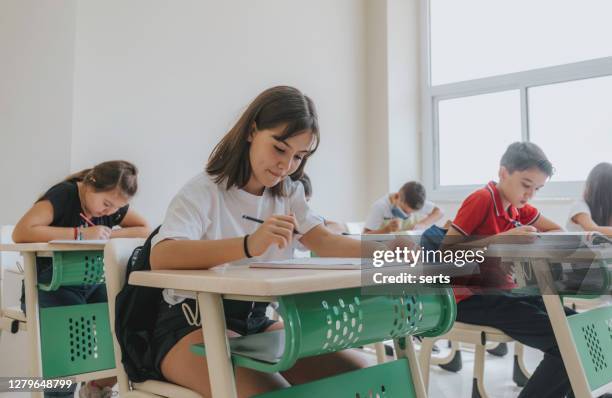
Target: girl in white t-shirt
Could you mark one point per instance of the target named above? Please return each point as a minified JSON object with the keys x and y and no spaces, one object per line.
{"x":248,"y":173}
{"x":594,"y":211}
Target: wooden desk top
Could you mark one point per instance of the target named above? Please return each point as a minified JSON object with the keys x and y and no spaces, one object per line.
{"x":48,"y":247}
{"x":268,"y":282}
{"x":527,"y":251}
{"x":242,"y":280}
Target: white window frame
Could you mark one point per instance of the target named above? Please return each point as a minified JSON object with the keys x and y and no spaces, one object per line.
{"x":522,"y":81}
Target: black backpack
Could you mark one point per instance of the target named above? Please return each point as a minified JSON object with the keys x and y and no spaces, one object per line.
{"x":136,"y":310}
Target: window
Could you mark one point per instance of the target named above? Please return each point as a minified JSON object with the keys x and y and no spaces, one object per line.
{"x":473,"y":133}
{"x":511,"y":70}
{"x":574,"y":123}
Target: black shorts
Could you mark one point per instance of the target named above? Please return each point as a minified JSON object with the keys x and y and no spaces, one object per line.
{"x":242,"y":317}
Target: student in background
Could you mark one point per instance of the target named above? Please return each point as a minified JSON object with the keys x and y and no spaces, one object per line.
{"x":407,"y":209}
{"x":489,"y":214}
{"x":86,"y":205}
{"x":335,"y":227}
{"x":594,"y":211}
{"x":252,"y":171}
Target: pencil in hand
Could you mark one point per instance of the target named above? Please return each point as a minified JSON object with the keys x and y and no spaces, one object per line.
{"x":257,"y":220}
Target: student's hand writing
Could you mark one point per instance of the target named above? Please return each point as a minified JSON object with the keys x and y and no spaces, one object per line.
{"x":523,"y":234}
{"x":277,"y":229}
{"x":392,"y":226}
{"x":98,"y":232}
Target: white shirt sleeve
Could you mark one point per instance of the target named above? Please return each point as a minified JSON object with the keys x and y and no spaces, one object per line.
{"x":304,"y":216}
{"x":187,"y":216}
{"x":579,"y":206}
{"x":427,"y":208}
{"x":376,"y":217}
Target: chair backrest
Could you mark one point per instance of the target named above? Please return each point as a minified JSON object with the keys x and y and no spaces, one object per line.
{"x":116,"y":255}
{"x":8,"y":262}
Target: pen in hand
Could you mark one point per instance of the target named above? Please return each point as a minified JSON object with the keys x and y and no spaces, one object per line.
{"x":257,"y":220}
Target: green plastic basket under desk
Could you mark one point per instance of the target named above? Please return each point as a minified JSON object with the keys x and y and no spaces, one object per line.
{"x":326,"y":322}
{"x":601,"y":272}
{"x":75,"y":339}
{"x":75,"y":268}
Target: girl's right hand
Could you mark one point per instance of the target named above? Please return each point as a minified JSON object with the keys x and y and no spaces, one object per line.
{"x":277,"y":229}
{"x":98,"y":232}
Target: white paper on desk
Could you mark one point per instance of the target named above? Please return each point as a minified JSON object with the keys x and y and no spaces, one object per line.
{"x":311,"y":263}
{"x":571,"y":240}
{"x":78,"y":242}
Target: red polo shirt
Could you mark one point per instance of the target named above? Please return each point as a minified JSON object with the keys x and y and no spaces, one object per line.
{"x":482,"y":214}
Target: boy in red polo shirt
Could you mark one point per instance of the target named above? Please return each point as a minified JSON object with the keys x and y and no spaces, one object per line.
{"x":502,"y":209}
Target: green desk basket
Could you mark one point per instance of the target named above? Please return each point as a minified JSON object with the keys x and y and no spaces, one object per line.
{"x":75,"y":339}
{"x":325,"y":322}
{"x":75,"y":268}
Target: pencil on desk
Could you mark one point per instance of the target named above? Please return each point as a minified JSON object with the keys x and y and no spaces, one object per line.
{"x":257,"y":220}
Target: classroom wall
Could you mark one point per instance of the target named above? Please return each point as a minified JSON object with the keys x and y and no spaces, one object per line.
{"x":160,"y":82}
{"x":36,"y":66}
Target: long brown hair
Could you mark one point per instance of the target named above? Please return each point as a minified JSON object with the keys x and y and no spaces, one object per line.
{"x":229,"y":161}
{"x":598,"y":194}
{"x":107,"y":176}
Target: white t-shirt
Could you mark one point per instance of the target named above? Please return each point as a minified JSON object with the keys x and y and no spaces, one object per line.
{"x":381,"y":209}
{"x":203,"y":210}
{"x":579,"y":206}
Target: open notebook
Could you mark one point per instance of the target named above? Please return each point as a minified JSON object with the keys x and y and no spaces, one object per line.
{"x":311,"y":263}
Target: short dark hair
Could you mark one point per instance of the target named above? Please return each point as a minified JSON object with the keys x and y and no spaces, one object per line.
{"x":413,"y":194}
{"x":522,"y":156}
{"x":305,"y":180}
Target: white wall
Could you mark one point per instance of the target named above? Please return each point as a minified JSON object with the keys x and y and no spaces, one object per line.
{"x":393,"y":141}
{"x":160,"y":82}
{"x":36,"y":67}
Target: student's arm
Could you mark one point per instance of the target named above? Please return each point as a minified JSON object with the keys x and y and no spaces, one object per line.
{"x":587,"y":223}
{"x":544,"y":224}
{"x":392,"y":226}
{"x":376,"y":217}
{"x":133,"y":225}
{"x":524,"y":234}
{"x":435,"y":215}
{"x":336,"y":227}
{"x":326,"y":244}
{"x":34,"y":227}
{"x":203,"y":254}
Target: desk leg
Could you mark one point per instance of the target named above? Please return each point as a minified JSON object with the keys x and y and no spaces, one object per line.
{"x":415,"y":370}
{"x":220,"y":371}
{"x":31,"y":301}
{"x":563,"y":334}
